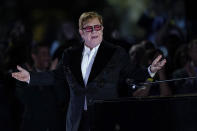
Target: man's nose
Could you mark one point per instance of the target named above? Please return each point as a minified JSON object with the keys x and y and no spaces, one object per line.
{"x":93,"y":30}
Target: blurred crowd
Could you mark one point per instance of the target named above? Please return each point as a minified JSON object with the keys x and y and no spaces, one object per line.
{"x":35,"y":109}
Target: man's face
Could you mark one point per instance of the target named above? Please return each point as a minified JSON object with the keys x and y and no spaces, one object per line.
{"x":92,"y":33}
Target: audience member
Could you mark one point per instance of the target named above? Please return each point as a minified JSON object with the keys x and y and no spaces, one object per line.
{"x":42,"y":106}
{"x":187,"y":86}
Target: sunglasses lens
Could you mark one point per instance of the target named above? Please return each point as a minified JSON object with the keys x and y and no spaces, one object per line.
{"x":97,"y":27}
{"x":88,"y":29}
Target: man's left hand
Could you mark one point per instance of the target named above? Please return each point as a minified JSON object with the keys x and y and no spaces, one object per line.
{"x":157,"y":64}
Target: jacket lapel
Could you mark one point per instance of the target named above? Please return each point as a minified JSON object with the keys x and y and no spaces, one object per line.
{"x":75,"y":64}
{"x":104,"y":54}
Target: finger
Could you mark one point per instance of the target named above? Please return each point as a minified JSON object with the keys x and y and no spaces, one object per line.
{"x":20,"y":68}
{"x":15,"y":75}
{"x":163,"y":62}
{"x":160,"y":65}
{"x":18,"y":76}
{"x":157,"y":59}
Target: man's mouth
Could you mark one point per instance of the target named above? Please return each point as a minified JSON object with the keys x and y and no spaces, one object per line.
{"x":94,"y":37}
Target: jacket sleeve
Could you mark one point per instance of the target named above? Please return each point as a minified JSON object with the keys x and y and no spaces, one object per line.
{"x":48,"y":78}
{"x":130,"y":74}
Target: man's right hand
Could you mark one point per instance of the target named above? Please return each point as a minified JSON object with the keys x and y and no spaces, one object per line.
{"x":22,"y":75}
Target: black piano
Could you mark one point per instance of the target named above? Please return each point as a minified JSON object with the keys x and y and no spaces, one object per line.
{"x":176,"y":113}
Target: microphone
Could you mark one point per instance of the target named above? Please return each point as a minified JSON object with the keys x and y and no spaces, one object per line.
{"x":131,"y":84}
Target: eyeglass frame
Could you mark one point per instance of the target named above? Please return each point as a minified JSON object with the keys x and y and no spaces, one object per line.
{"x":92,"y":28}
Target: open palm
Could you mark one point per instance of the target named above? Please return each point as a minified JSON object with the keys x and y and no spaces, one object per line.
{"x":22,"y":75}
{"x":157,"y":64}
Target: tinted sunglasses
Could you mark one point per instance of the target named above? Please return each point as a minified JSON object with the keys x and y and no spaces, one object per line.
{"x":92,"y":28}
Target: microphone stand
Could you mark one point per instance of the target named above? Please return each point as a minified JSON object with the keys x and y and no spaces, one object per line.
{"x":170,"y":80}
{"x":139,"y":85}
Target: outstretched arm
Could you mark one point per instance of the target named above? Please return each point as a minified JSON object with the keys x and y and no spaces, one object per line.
{"x":35,"y":78}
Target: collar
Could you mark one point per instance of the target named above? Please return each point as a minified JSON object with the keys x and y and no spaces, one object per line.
{"x":93,"y":50}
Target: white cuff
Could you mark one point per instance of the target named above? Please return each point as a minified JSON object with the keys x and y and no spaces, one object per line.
{"x":150,"y":73}
{"x":28,"y":80}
